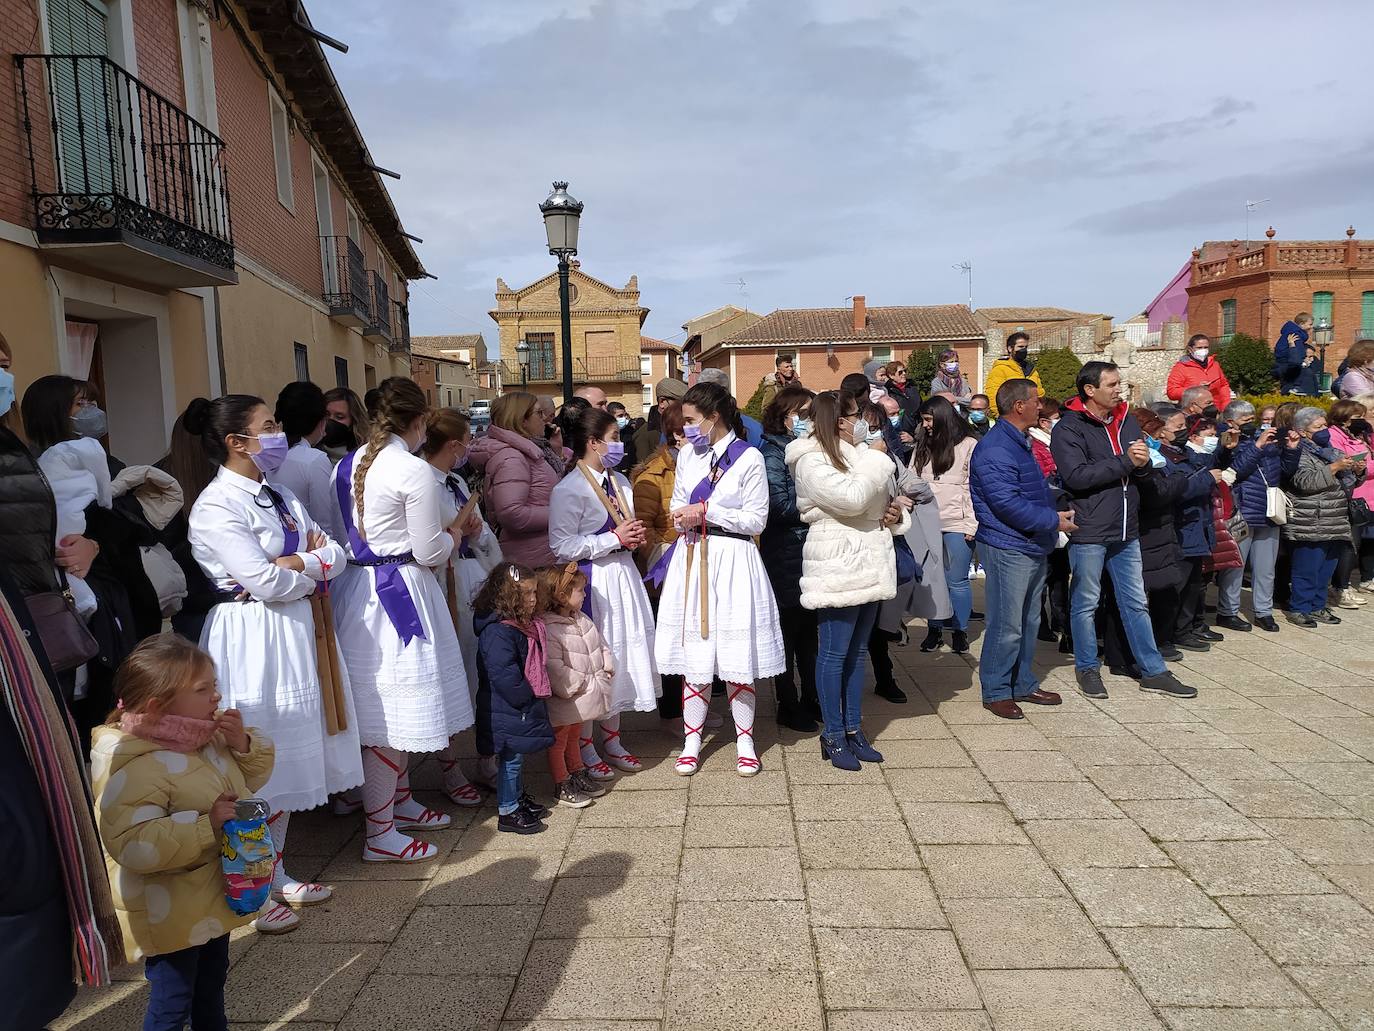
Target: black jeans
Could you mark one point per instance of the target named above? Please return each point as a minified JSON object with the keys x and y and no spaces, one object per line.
{"x":188,"y":986}
{"x":1190,"y":615}
{"x":1346,"y":565}
{"x":799,"y":644}
{"x":1055,"y":611}
{"x":1163,"y":605}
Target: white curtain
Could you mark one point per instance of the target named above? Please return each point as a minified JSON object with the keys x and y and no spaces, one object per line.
{"x":79,"y":349}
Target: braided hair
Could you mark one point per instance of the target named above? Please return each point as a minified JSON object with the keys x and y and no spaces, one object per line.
{"x":400,"y":402}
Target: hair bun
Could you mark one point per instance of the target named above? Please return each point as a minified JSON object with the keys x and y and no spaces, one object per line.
{"x":196,"y":417}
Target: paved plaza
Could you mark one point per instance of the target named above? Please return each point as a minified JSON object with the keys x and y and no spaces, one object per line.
{"x":1120,"y":865}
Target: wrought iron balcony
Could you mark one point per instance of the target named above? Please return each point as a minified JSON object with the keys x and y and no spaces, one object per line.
{"x":122,"y":179}
{"x":380,"y":326}
{"x":347,"y":285}
{"x":400,"y":339}
{"x":546,"y":368}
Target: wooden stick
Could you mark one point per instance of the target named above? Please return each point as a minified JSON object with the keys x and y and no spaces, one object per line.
{"x":687,"y":585}
{"x":451,"y":591}
{"x":323,"y":667}
{"x":340,"y":702}
{"x":467,"y":509}
{"x":704,"y":588}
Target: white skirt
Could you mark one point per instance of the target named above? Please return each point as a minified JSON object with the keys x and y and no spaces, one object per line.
{"x":412,"y":697}
{"x":265,"y":661}
{"x":745,"y":642}
{"x":621,"y":611}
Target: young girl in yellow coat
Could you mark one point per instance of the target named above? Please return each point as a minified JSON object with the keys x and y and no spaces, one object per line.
{"x":166,"y":769}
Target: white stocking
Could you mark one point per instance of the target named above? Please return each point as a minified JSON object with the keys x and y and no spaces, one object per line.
{"x":404,"y":806}
{"x":382,"y":768}
{"x":584,"y":738}
{"x":454,"y":780}
{"x":610,"y":736}
{"x":742,"y":709}
{"x":277,"y":825}
{"x":695,"y":703}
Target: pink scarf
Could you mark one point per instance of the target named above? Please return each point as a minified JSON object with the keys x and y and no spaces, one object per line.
{"x":174,"y":733}
{"x":536,"y":672}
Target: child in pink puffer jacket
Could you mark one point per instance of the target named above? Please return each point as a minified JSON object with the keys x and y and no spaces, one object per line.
{"x":580,"y":669}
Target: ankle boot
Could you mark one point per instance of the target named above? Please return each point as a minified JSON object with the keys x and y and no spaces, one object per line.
{"x":932,"y":640}
{"x":959,"y":641}
{"x":860,"y":747}
{"x":837,"y":751}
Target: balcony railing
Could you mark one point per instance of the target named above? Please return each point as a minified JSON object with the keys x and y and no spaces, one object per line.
{"x":380,"y":326}
{"x":347,"y":286}
{"x":546,"y":368}
{"x":400,"y":338}
{"x":113,"y":162}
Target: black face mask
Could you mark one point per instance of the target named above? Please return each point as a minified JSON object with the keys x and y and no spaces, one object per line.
{"x":1181,"y":437}
{"x":337,"y":435}
{"x":1211,"y":412}
{"x":1022,"y":356}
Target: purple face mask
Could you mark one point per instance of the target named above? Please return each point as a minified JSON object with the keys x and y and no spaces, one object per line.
{"x":273,"y":453}
{"x":698,"y":438}
{"x":615,"y":454}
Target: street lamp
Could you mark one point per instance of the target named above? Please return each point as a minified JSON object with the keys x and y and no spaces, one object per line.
{"x":562,"y":212}
{"x":1322,"y":335}
{"x":522,"y":355}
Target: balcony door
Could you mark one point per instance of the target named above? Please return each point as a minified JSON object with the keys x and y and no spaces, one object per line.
{"x":82,"y":96}
{"x":324,"y":218}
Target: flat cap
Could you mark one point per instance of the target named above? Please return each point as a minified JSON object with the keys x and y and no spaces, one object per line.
{"x":670,"y":387}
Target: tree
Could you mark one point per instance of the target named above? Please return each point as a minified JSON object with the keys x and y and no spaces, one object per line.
{"x":1248,"y":363}
{"x":754,"y":406}
{"x":921,"y":367}
{"x":1058,"y":368}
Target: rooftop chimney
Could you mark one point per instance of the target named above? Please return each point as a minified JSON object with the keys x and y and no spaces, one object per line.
{"x":860,"y":313}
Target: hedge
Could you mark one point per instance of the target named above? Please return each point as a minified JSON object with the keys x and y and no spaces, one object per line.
{"x":1261,"y":400}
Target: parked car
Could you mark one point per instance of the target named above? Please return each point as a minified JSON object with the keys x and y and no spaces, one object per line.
{"x":479,"y":414}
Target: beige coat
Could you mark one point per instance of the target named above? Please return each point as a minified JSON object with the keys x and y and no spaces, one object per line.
{"x":951,"y":490}
{"x":580,"y":669}
{"x":152,"y":810}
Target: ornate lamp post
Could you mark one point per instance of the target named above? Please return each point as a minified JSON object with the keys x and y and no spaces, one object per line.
{"x":562,"y":212}
{"x":1322,"y":335}
{"x":522,"y":355}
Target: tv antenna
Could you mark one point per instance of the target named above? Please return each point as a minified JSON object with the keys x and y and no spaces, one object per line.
{"x":966,"y":267}
{"x":1251,"y":205}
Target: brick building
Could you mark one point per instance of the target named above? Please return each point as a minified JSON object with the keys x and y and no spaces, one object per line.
{"x":606,"y":324}
{"x":826,"y":344}
{"x":657,"y":360}
{"x":449,"y":369}
{"x":188,"y":208}
{"x":1048,"y":327}
{"x":704,"y":332}
{"x":1237,"y":289}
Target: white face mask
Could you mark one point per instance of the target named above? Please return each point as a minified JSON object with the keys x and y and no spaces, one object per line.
{"x":860,"y":432}
{"x":1200,"y":354}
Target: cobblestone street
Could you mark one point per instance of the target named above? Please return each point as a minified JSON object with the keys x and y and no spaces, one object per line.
{"x":1130,"y":864}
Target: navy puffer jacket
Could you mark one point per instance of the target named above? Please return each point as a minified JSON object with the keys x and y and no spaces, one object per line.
{"x":784,"y":537}
{"x":1256,"y":470}
{"x":510,"y":719}
{"x":1193,"y":519}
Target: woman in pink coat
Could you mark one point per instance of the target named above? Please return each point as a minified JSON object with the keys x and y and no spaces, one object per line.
{"x":519,"y":470}
{"x":1348,"y":578}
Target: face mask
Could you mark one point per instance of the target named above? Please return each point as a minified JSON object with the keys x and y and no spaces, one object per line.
{"x":6,"y":392}
{"x":951,"y":366}
{"x":860,"y":429}
{"x":90,"y":421}
{"x":615,"y":454}
{"x":697,"y":436}
{"x":874,"y":435}
{"x":337,"y":435}
{"x":273,"y":453}
{"x":1209,"y":445}
{"x":977,"y":415}
{"x":894,"y":420}
{"x":800,"y":427}
{"x":1157,"y":460}
{"x":622,"y":421}
{"x":1022,"y":356}
{"x":460,"y":461}
{"x":1151,"y":443}
{"x":1200,"y":355}
{"x":1322,"y":438}
{"x":1180,"y":436}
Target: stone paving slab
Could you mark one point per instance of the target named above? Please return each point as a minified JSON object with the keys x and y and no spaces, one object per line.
{"x":1130,"y":863}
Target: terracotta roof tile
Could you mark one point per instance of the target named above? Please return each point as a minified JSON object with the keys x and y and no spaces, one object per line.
{"x":800,"y":325}
{"x":653,"y":345}
{"x":1035,"y":314}
{"x":434,"y":346}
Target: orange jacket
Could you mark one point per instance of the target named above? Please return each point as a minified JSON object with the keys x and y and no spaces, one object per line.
{"x":1188,"y":373}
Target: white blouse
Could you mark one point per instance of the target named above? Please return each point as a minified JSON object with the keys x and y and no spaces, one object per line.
{"x":485,"y":542}
{"x":236,"y":535}
{"x":739,"y":502}
{"x":309,"y":474}
{"x":576,"y":514}
{"x":402,"y":507}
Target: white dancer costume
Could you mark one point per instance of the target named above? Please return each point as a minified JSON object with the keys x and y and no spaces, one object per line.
{"x":264,"y":648}
{"x":744,"y":642}
{"x":483,"y":554}
{"x":411,"y":696}
{"x":308,"y":473}
{"x":619,"y":603}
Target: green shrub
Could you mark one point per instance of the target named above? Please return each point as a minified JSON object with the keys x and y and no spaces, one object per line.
{"x":1248,"y":363}
{"x":921,"y":367}
{"x":1058,"y":368}
{"x":754,"y":406}
{"x":1323,"y":402}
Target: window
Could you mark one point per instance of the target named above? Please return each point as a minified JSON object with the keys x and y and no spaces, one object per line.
{"x":1367,"y":314}
{"x":369,"y":376}
{"x":340,"y":372}
{"x":1228,"y":319}
{"x":355,"y":228}
{"x":541,"y":356}
{"x":281,"y":149}
{"x":1321,"y":305}
{"x":302,"y":364}
{"x":648,"y":398}
{"x":646,"y":365}
{"x":882,"y":354}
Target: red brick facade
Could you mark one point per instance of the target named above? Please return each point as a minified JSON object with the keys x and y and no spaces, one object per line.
{"x":18,"y":35}
{"x":818,"y":371}
{"x":157,"y":41}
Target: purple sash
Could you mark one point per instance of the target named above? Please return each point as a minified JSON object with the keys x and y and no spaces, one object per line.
{"x":585,"y":566}
{"x":701,"y":492}
{"x":291,"y":534}
{"x":391,"y":587}
{"x":464,"y":550}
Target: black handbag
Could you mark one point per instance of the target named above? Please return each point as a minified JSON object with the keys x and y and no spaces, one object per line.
{"x":1360,"y":515}
{"x":64,"y":636}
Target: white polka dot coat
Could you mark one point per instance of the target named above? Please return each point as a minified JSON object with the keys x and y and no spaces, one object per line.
{"x":152,"y":809}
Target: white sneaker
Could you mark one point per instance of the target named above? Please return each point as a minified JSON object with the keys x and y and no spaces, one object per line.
{"x":1348,"y":599}
{"x":275,"y":918}
{"x":1367,"y":586}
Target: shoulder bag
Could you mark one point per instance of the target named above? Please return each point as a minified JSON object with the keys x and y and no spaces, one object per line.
{"x":1276,"y":502}
{"x":66,"y":640}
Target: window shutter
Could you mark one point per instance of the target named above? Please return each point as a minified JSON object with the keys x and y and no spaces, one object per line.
{"x":1367,"y":314}
{"x":82,"y":96}
{"x":1228,"y":319}
{"x":1321,"y":305}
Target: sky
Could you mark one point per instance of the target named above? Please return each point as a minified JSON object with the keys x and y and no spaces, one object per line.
{"x":792,"y":153}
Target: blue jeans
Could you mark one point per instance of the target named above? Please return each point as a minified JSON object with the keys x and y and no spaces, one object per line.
{"x":839,"y":665}
{"x":958,"y":557}
{"x":1012,"y":588}
{"x":1313,"y":564}
{"x":1122,"y":560}
{"x":188,"y":985}
{"x":508,"y":784}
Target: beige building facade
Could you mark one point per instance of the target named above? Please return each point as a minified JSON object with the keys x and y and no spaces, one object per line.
{"x":606,"y":324}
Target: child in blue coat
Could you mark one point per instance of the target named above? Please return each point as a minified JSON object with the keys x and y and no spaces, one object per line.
{"x":512,"y":683}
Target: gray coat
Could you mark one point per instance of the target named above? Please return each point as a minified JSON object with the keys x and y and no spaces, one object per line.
{"x":1320,"y":506}
{"x":928,"y":599}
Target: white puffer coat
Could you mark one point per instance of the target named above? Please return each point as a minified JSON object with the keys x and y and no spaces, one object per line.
{"x":580,"y":669}
{"x":848,"y":557}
